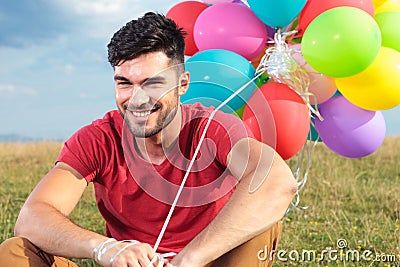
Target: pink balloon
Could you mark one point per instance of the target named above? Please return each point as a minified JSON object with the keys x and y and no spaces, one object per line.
{"x":232,"y":27}
{"x":322,"y":87}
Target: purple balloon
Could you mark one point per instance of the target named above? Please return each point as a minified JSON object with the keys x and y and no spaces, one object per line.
{"x":348,"y":130}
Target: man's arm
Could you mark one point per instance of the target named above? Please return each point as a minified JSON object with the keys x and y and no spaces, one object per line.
{"x":43,"y":220}
{"x":262,"y":196}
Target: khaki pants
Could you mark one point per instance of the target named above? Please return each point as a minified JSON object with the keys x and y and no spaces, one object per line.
{"x":19,"y":252}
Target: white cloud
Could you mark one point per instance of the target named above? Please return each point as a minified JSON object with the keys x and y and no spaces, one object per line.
{"x":100,"y":19}
{"x":10,"y":89}
{"x":68,"y":68}
{"x":99,"y":7}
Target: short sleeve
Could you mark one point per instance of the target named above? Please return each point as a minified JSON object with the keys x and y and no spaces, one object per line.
{"x":84,"y":152}
{"x":225,"y":131}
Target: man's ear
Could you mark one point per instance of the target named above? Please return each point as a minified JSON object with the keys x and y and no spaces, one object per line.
{"x":184,"y":81}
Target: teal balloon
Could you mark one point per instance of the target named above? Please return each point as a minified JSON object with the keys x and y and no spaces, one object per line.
{"x":277,"y":13}
{"x":313,"y":134}
{"x":215,"y":75}
{"x":337,"y":93}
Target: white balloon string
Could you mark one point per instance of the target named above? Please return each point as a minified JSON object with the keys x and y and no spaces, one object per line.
{"x":282,"y":67}
{"x":166,"y":222}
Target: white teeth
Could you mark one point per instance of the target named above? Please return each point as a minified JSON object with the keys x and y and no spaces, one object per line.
{"x":141,"y":114}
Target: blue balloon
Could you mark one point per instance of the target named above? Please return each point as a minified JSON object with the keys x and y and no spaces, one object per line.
{"x":277,"y":13}
{"x":313,"y":134}
{"x":215,"y":75}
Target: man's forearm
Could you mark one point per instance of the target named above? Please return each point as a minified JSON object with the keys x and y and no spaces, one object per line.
{"x":243,"y":217}
{"x":54,"y":233}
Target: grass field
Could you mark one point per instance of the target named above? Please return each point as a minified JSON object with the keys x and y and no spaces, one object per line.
{"x":352,"y":201}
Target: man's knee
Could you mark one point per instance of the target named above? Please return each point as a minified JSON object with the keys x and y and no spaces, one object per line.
{"x":14,"y":245}
{"x":18,"y":251}
{"x":258,"y":251}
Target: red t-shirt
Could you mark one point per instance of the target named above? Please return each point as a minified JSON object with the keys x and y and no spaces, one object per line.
{"x":135,"y":196}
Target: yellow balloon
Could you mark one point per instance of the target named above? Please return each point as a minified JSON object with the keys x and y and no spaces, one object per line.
{"x":378,"y":3}
{"x":378,"y":86}
{"x":387,"y":5}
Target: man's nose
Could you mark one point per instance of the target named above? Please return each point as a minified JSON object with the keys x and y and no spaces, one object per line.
{"x":139,"y":97}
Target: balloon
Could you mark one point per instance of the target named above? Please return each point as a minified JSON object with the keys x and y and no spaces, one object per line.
{"x":277,"y":13}
{"x":239,"y":111}
{"x":279,"y":117}
{"x":214,"y":75}
{"x":341,"y":42}
{"x":185,"y":15}
{"x":348,"y":130}
{"x":378,"y":3}
{"x":321,"y":87}
{"x":389,"y":24}
{"x":251,"y":122}
{"x":313,"y":134}
{"x":388,"y":5}
{"x":378,"y":87}
{"x":231,"y":27}
{"x":338,"y":93}
{"x":212,"y":2}
{"x":263,"y":79}
{"x":238,"y":2}
{"x":313,"y":8}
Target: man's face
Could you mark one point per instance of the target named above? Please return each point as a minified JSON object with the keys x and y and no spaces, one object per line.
{"x":147,"y":93}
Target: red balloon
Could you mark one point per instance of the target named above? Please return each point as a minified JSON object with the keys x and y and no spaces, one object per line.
{"x":313,"y":8}
{"x":251,"y":122}
{"x":278,"y":117}
{"x":185,"y":15}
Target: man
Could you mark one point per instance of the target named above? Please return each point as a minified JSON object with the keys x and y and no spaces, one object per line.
{"x":236,"y":191}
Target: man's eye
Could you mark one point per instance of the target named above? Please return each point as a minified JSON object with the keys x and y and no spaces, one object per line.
{"x":124,"y":83}
{"x":152,"y":85}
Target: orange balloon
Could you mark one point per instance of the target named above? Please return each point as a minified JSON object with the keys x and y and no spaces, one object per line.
{"x":256,"y":61}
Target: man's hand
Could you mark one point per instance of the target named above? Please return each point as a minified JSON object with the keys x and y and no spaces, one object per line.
{"x":123,"y":254}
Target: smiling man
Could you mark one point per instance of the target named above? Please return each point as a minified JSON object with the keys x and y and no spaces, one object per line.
{"x":237,"y":189}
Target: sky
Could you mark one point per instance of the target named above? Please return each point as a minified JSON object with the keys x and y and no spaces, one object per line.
{"x":54,"y":74}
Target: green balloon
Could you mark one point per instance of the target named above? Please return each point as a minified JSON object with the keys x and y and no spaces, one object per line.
{"x":341,"y":42}
{"x":263,"y":79}
{"x":389,"y":23}
{"x":239,"y":111}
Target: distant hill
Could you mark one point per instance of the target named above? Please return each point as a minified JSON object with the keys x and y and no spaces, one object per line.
{"x":15,"y":138}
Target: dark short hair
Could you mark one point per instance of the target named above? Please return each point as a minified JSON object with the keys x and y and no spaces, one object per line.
{"x":150,"y":33}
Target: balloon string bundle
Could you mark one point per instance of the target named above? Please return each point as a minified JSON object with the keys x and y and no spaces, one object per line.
{"x":279,"y":63}
{"x":166,"y":222}
{"x":281,"y":66}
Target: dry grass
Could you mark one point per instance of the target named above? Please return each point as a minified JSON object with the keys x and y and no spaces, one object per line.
{"x":353,"y":199}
